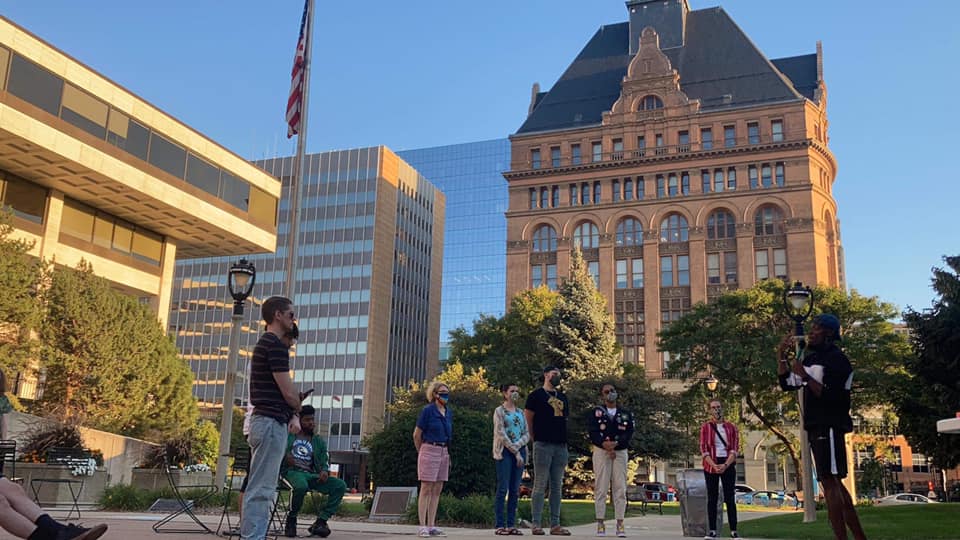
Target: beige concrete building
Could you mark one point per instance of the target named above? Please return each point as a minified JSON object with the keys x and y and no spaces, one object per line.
{"x":683,"y":162}
{"x":93,"y":172}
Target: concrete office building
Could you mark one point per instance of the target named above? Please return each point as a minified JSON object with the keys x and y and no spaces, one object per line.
{"x":369,"y":262}
{"x":93,"y":172}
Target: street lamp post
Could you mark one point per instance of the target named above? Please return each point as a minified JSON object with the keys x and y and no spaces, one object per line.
{"x":798,"y":303}
{"x":240,"y":282}
{"x":711,"y":383}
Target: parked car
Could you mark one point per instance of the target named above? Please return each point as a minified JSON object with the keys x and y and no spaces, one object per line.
{"x":764,"y":497}
{"x":743,"y":488}
{"x":904,"y":498}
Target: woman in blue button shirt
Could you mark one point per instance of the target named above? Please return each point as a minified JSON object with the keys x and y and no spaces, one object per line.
{"x":432,"y":438}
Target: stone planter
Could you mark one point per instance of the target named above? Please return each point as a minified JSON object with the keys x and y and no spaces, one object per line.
{"x":155,"y":479}
{"x":58,"y":494}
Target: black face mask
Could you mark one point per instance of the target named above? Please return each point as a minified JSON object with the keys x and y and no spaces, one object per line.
{"x":555,"y":380}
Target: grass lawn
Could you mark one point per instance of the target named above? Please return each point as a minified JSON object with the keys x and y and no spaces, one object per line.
{"x":921,"y":521}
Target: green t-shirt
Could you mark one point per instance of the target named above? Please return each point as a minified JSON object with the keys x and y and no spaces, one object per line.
{"x":5,"y":406}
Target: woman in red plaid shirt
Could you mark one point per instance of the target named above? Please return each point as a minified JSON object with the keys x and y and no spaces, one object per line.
{"x":719,"y":444}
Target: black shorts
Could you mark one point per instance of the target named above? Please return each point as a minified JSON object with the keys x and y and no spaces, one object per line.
{"x":829,"y":452}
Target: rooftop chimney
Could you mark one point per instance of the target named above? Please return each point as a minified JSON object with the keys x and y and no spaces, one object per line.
{"x":667,"y":17}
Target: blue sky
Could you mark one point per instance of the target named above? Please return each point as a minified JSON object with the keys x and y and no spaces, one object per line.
{"x":423,"y":73}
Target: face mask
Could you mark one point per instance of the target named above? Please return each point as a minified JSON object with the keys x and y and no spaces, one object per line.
{"x":555,"y":380}
{"x":443,"y":398}
{"x":514,"y":396}
{"x":717,"y":413}
{"x":612,"y":396}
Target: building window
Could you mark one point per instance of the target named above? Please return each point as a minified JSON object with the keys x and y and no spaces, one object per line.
{"x":762,"y":265}
{"x":555,"y":156}
{"x":596,"y":192}
{"x":543,"y":274}
{"x":720,"y":224}
{"x":617,"y":149}
{"x":35,"y":85}
{"x":706,"y":138}
{"x":640,"y":188}
{"x":544,"y":197}
{"x":766,"y":179}
{"x":597,"y":151}
{"x":672,"y":185}
{"x":671,"y":310}
{"x":781,"y":180}
{"x":660,"y":186}
{"x":594,"y":268}
{"x":641,"y":146}
{"x":586,"y":236}
{"x":615,"y":190}
{"x":768,"y":221}
{"x":683,"y":270}
{"x":685,"y":183}
{"x":27,"y":200}
{"x":627,"y":189}
{"x":780,"y":263}
{"x":533,"y":198}
{"x":753,"y":133}
{"x":575,"y":154}
{"x":629,"y":273}
{"x":729,"y":136}
{"x":666,"y":271}
{"x":661,"y":149}
{"x":630,"y":330}
{"x":552,"y":276}
{"x":718,"y":180}
{"x":629,"y":232}
{"x":731,"y":179}
{"x":536,"y":276}
{"x":725,"y":274}
{"x":636,"y":273}
{"x":584,"y":194}
{"x":752,"y":174}
{"x":705,"y":180}
{"x":535,"y":158}
{"x":621,"y":271}
{"x":574,"y":198}
{"x":776,"y":130}
{"x":674,"y":228}
{"x":683,"y":139}
{"x":555,"y":196}
{"x":650,"y":103}
{"x":544,"y":239}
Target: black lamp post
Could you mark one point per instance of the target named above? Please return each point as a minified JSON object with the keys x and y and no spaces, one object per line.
{"x":798,"y":305}
{"x":240,"y":281}
{"x":711,"y":382}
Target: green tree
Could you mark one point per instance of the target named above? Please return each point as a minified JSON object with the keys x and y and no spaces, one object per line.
{"x":20,"y":276}
{"x":578,"y":336}
{"x":507,"y":347}
{"x":393,"y":458}
{"x":107,"y":359}
{"x":933,"y":390}
{"x":735,"y":336}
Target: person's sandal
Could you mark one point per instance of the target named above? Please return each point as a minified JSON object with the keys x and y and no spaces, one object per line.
{"x":502,"y":532}
{"x":515,"y":532}
{"x":537,"y":531}
{"x":559,"y":531}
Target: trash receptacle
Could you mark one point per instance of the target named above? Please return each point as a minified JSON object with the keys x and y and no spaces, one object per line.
{"x":692,"y":494}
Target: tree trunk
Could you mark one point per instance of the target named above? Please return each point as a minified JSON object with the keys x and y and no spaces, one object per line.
{"x":778,"y":433}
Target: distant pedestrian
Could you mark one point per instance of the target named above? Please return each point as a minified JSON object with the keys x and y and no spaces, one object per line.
{"x":610,"y":428}
{"x":276,"y":403}
{"x":510,"y":438}
{"x":826,"y":377}
{"x":432,"y":438}
{"x":546,"y":411}
{"x":719,"y":445}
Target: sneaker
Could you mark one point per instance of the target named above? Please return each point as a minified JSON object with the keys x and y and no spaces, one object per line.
{"x":424,"y":532}
{"x":709,"y":535}
{"x":601,"y":528}
{"x":320,"y":528}
{"x":436,"y":531}
{"x":733,"y":534}
{"x":290,"y":530}
{"x":621,"y":530}
{"x":75,"y":532}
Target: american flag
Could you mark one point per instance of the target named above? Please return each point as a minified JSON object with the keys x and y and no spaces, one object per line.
{"x":295,"y":101}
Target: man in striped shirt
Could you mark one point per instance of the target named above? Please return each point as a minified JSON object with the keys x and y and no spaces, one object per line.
{"x":276,"y":403}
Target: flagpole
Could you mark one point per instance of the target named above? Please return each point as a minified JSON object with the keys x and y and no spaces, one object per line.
{"x":296,"y":183}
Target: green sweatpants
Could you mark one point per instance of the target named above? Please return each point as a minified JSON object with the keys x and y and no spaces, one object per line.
{"x":302,"y":481}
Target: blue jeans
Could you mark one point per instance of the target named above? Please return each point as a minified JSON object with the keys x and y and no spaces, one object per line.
{"x":268,"y":442}
{"x":508,"y":483}
{"x":549,"y":462}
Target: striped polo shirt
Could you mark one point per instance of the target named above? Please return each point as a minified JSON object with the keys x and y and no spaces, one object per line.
{"x":270,"y":356}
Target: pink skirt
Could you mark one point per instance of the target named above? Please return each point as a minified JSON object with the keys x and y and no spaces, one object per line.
{"x":433,"y":463}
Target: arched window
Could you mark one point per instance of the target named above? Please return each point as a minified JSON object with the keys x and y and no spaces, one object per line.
{"x":768,"y":221}
{"x":720,"y":224}
{"x":649,"y":103}
{"x":674,"y":228}
{"x":629,"y":232}
{"x":586,"y":236}
{"x":545,"y":239}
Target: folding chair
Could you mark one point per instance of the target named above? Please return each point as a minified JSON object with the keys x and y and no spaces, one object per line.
{"x":8,"y":461}
{"x":241,"y":466}
{"x":185,"y":507}
{"x":281,"y":508}
{"x":69,"y":457}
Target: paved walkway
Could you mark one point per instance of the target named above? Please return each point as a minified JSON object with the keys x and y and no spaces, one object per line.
{"x":137,"y":526}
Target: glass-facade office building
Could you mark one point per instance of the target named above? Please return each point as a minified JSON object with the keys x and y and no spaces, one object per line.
{"x":368,"y":291}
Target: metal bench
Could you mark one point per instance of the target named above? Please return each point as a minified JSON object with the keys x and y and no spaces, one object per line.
{"x":8,"y":461}
{"x":70,"y":458}
{"x":640,"y":495}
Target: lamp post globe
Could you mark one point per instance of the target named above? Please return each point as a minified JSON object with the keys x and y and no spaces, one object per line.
{"x":711,"y":383}
{"x":798,"y":304}
{"x":240,"y":280}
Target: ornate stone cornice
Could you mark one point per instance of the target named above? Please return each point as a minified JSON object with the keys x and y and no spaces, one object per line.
{"x":674,"y":248}
{"x":545,"y":257}
{"x":627,"y":294}
{"x":772,"y":241}
{"x":622,"y":252}
{"x":674,"y":292}
{"x":724,"y":244}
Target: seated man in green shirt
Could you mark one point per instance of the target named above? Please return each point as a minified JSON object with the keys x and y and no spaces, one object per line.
{"x":305,"y":467}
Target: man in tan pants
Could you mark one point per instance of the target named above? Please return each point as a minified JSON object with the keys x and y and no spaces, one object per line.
{"x":611,"y":428}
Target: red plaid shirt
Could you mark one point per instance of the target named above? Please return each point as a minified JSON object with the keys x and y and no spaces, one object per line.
{"x":708,"y":445}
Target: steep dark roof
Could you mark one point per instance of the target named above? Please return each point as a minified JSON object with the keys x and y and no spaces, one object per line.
{"x":718,"y":65}
{"x":802,"y":72}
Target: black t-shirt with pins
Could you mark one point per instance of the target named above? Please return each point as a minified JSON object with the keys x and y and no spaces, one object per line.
{"x":550,"y":411}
